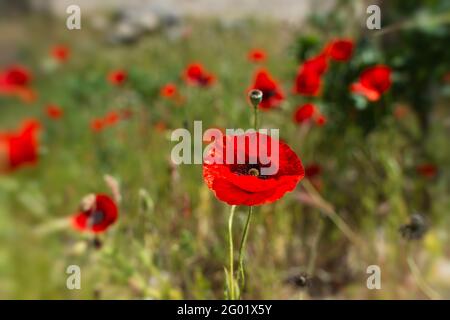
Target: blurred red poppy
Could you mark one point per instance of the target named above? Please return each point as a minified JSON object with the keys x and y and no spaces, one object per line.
{"x":19,"y":148}
{"x":160,"y":126}
{"x":272,"y":92}
{"x":111,"y":118}
{"x":169,"y":91}
{"x":340,"y":49}
{"x":307,"y":112}
{"x":317,"y":64}
{"x":98,"y":124}
{"x":54,"y":111}
{"x":304,"y":113}
{"x":15,"y":81}
{"x":125,"y":114}
{"x":373,"y":82}
{"x":320,"y":120}
{"x":60,"y":53}
{"x":257,"y":55}
{"x":117,"y":77}
{"x":195,"y":74}
{"x":313,"y":170}
{"x":16,"y":76}
{"x":307,"y":82}
{"x":245,"y":184}
{"x":98,"y":212}
{"x":427,"y":170}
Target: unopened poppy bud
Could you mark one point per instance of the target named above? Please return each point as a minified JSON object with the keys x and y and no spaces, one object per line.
{"x":97,"y":243}
{"x":415,"y":229}
{"x":301,"y":280}
{"x":255,"y":97}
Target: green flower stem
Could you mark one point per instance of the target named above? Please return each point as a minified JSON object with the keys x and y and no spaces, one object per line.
{"x":241,"y":275}
{"x":231,"y":285}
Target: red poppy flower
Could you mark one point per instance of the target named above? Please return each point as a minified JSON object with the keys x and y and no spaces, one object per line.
{"x":195,"y":74}
{"x":373,"y":82}
{"x":60,"y":53}
{"x":98,"y":124}
{"x":96,"y":215}
{"x":54,"y":111}
{"x":257,"y":55}
{"x":160,"y":126}
{"x":15,"y":81}
{"x":111,"y":118}
{"x":246,"y":184}
{"x":304,"y":113}
{"x":272,"y":93}
{"x":320,"y":120}
{"x":19,"y":148}
{"x":427,"y":170}
{"x":340,"y":49}
{"x":169,"y":91}
{"x":17,"y":76}
{"x":307,"y":82}
{"x":317,"y":64}
{"x":117,"y":77}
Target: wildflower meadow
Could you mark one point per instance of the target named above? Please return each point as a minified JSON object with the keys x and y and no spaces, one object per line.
{"x":151,"y":154}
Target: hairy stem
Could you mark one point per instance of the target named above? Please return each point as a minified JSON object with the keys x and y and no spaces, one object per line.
{"x":332,"y":214}
{"x":315,"y":244}
{"x":231,"y":285}
{"x":241,"y":275}
{"x":421,"y":283}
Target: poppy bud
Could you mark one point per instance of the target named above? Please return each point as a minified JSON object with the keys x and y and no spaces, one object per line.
{"x":256,"y":97}
{"x":300,"y":281}
{"x":97,"y":243}
{"x":415,"y":229}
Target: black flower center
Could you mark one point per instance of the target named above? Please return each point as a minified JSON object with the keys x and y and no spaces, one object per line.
{"x":96,"y":217}
{"x":248,"y":170}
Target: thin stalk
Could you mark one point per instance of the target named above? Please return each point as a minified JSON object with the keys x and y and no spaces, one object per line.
{"x":231,"y":285}
{"x":421,"y":283}
{"x":331,"y":213}
{"x":255,"y":118}
{"x":415,"y":22}
{"x":315,"y":244}
{"x":241,"y":275}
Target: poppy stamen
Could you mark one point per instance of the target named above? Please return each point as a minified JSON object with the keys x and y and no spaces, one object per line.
{"x":253,"y":172}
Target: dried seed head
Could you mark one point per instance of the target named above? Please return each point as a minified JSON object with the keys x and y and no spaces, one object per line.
{"x":415,"y":229}
{"x":97,"y":243}
{"x":255,"y":97}
{"x":300,"y":281}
